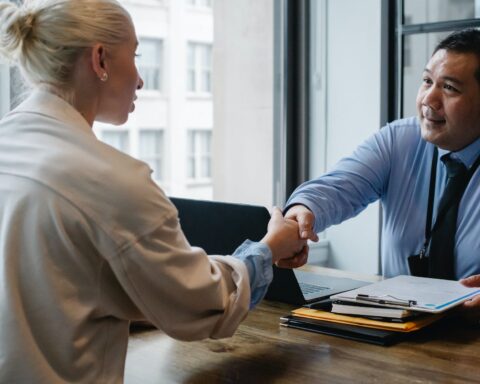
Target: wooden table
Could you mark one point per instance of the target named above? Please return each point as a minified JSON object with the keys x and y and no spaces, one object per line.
{"x":263,"y":352}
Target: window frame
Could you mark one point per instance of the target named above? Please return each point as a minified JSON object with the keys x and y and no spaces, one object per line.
{"x":198,"y":69}
{"x":198,"y":156}
{"x":117,"y":129}
{"x":160,"y":67}
{"x":158,"y":157}
{"x":291,"y":96}
{"x":197,"y":4}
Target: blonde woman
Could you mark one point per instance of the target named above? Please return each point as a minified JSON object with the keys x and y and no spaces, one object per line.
{"x":88,"y":242}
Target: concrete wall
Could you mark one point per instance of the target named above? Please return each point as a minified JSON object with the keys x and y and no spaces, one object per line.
{"x":243,"y":101}
{"x":353,"y":114}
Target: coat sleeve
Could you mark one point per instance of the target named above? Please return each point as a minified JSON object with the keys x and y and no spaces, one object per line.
{"x":179,"y":288}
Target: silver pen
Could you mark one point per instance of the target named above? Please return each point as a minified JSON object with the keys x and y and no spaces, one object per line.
{"x":386,"y":300}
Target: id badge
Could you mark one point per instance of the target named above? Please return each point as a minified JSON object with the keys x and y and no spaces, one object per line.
{"x":418,"y":265}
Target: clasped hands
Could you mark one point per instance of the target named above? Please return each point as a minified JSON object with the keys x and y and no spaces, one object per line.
{"x":287,"y":236}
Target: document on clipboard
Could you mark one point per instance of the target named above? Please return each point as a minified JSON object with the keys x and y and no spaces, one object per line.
{"x":421,"y":294}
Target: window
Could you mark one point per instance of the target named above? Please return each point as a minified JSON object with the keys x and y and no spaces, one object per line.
{"x":150,"y":63}
{"x":429,"y":11}
{"x":200,"y":3}
{"x":150,"y":150}
{"x":344,"y":109}
{"x":199,"y":68}
{"x":4,"y":90}
{"x":418,"y":48}
{"x":199,"y":155}
{"x":116,"y":138}
{"x":181,"y":68}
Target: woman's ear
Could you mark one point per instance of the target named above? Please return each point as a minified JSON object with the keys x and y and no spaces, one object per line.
{"x":98,"y":62}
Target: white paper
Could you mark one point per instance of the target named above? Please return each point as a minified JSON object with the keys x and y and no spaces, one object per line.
{"x":430,"y":295}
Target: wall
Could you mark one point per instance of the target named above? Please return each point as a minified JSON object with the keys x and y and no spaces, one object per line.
{"x":243,"y":101}
{"x":353,"y":114}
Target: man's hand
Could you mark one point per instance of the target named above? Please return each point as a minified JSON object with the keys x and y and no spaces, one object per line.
{"x":471,"y":307}
{"x":305,"y":219}
{"x":288,"y":249}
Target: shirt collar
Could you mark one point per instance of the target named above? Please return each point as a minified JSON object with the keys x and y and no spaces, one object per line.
{"x":48,"y":104}
{"x":467,"y":155}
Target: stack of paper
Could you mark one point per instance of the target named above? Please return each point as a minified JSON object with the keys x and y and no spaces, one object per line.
{"x":412,"y":303}
{"x":406,"y":326}
{"x":357,"y":309}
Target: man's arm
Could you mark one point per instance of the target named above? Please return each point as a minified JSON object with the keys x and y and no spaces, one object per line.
{"x":342,"y":193}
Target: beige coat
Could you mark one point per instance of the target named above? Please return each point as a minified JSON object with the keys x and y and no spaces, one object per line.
{"x":88,"y":242}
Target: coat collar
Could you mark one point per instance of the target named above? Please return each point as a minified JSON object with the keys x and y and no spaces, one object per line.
{"x":48,"y":104}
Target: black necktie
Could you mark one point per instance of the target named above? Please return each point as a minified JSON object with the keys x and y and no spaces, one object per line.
{"x":441,"y":254}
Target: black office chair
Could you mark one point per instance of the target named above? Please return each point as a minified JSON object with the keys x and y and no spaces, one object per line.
{"x":219,"y":228}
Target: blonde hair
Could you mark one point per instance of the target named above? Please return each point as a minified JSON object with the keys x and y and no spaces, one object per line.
{"x":44,"y":38}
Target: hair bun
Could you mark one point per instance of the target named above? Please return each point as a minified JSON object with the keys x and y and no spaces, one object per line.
{"x":28,"y":20}
{"x":16,"y":25}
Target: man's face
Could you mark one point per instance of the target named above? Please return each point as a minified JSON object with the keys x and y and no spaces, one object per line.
{"x":448,"y":101}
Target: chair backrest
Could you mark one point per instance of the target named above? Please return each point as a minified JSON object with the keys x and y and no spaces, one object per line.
{"x":219,"y":228}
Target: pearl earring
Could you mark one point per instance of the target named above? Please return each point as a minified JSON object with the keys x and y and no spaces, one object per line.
{"x":104,"y":76}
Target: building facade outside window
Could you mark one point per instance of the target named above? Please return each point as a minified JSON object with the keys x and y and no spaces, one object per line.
{"x":199,"y":68}
{"x":117,"y":138}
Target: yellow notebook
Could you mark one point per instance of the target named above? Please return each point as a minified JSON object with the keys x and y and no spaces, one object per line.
{"x":407,"y":326}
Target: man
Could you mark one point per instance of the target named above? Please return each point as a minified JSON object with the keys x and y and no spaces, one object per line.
{"x":395,"y":165}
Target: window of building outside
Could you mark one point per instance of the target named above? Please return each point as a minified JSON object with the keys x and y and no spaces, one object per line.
{"x":116,"y":138}
{"x":150,"y":63}
{"x":151,"y":149}
{"x":200,"y":3}
{"x":200,"y":155}
{"x":199,"y":68}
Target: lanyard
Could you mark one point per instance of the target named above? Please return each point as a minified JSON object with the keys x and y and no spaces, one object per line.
{"x":431,"y":198}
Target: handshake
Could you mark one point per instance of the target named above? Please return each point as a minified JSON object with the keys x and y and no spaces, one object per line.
{"x":287,"y":236}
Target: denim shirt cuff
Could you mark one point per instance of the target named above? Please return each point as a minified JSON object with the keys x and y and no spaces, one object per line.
{"x":258,"y":260}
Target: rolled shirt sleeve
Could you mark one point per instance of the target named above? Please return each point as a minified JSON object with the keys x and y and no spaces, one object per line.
{"x":258,"y":259}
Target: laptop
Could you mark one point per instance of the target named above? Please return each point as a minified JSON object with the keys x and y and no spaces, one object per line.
{"x":219,"y":228}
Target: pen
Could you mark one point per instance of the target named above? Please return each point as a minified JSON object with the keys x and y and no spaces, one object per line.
{"x":384,"y":300}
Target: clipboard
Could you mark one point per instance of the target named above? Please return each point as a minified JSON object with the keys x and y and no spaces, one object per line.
{"x":420,"y":294}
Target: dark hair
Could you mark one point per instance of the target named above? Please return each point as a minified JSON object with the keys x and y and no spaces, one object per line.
{"x":464,"y":41}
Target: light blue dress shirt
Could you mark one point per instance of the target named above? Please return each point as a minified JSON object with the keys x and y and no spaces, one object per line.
{"x":258,"y":259}
{"x":394,"y":165}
